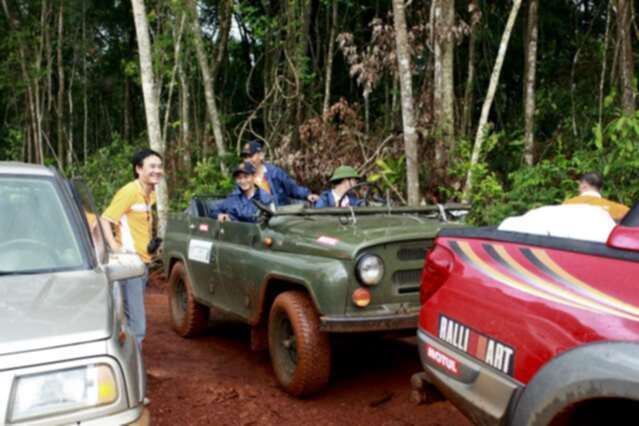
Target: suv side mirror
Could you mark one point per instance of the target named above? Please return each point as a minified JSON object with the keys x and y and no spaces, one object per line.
{"x":123,"y":266}
{"x":624,"y":238}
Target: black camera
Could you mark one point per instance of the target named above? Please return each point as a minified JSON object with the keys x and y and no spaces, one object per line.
{"x":154,"y":245}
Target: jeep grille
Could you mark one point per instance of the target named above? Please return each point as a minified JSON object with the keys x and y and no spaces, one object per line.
{"x":407,"y":281}
{"x":415,"y":251}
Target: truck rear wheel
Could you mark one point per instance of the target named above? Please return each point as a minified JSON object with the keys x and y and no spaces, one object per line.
{"x":188,"y":317}
{"x":300,"y":352}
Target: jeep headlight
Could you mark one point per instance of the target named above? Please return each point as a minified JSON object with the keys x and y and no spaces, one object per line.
{"x":62,"y":391}
{"x":370,"y":269}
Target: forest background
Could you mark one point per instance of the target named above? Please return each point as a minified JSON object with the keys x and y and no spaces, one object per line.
{"x":499,"y":103}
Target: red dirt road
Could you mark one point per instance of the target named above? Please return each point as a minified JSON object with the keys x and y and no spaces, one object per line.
{"x":216,"y":379}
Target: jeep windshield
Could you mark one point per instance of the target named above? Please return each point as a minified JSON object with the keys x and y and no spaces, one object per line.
{"x":37,"y":233}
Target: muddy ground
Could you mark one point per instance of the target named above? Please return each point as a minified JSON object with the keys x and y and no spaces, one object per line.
{"x":216,"y":379}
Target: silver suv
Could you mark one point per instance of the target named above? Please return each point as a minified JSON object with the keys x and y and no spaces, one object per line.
{"x":66,"y":354}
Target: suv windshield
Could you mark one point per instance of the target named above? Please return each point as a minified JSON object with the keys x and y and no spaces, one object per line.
{"x":37,"y":234}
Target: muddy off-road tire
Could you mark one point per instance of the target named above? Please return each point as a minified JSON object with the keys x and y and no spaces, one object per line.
{"x":188,"y":317}
{"x":300,"y":352}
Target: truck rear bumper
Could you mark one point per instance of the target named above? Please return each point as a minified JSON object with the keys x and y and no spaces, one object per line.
{"x":480,"y":392}
{"x":343,"y":324}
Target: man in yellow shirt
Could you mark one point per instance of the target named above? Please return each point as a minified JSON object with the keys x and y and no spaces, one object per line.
{"x":590,"y":185}
{"x":130,"y":214}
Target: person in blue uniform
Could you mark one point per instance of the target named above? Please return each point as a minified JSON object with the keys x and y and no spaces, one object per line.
{"x":239,"y":205}
{"x":343,"y":179}
{"x":272,"y":179}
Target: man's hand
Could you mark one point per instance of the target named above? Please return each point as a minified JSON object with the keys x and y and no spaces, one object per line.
{"x":313,"y":198}
{"x":223,"y":217}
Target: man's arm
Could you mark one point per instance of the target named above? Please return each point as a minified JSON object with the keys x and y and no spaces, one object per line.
{"x":323,"y":201}
{"x":107,"y":230}
{"x":292,"y":188}
{"x":120,"y":203}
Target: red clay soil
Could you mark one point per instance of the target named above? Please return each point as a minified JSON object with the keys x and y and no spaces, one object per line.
{"x":215,"y":379}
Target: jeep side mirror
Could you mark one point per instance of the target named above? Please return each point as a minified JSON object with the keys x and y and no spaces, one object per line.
{"x":123,"y":266}
{"x":624,"y":238}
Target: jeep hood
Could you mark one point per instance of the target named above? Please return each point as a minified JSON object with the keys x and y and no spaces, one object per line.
{"x":56,"y":309}
{"x":327,"y":236}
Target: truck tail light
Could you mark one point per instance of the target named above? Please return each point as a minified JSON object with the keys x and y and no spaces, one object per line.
{"x":437,"y":267}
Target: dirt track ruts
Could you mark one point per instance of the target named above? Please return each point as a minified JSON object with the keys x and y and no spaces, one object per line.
{"x":216,"y":379}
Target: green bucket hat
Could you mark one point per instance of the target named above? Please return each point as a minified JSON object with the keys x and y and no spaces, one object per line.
{"x":344,"y":172}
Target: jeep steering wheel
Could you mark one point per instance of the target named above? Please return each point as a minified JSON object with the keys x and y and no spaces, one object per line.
{"x":373,"y":193}
{"x":264,"y":212}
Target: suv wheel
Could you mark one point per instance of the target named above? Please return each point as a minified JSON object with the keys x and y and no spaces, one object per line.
{"x":188,"y":317}
{"x":300,"y":352}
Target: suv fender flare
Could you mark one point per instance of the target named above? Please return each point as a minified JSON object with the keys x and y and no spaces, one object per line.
{"x":269,"y":281}
{"x":171,"y":258}
{"x":598,"y":370}
{"x":174,"y":257}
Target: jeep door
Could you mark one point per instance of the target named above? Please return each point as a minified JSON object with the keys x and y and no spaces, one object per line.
{"x":238,"y":257}
{"x":203,"y":260}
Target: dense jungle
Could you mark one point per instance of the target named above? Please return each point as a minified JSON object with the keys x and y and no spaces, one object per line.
{"x":502,"y":104}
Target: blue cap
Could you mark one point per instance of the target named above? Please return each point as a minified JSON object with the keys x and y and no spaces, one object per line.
{"x":245,"y":167}
{"x":252,"y":147}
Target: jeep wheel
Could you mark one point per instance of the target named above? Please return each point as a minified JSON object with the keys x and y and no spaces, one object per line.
{"x":188,"y":317}
{"x":300,"y":352}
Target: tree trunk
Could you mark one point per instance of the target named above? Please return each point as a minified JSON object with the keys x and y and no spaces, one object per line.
{"x":467,"y":119}
{"x":604,"y":62}
{"x":185,"y":120}
{"x":626,"y":62}
{"x":490,"y":95}
{"x":408,"y":115}
{"x":444,"y":95}
{"x":530,"y":69}
{"x":151,"y":102}
{"x":226,"y":15}
{"x":297,"y":30}
{"x":329,"y":59}
{"x":177,"y":51}
{"x":85,"y":82}
{"x":38,"y":99}
{"x":71,"y":124}
{"x":208,"y":83}
{"x":60,"y":101}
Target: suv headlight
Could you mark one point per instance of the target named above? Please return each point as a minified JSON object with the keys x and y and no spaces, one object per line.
{"x":62,"y":391}
{"x":370,"y":269}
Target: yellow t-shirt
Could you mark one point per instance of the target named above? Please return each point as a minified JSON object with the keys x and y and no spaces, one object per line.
{"x":617,"y":211}
{"x":130,"y":211}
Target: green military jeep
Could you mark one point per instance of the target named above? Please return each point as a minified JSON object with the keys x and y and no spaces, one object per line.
{"x":300,"y":274}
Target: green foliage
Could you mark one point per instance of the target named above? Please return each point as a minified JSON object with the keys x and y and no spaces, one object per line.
{"x":108,"y":169}
{"x":206,"y":179}
{"x":390,"y":174}
{"x":11,"y":144}
{"x":617,"y":158}
{"x":613,"y":152}
{"x":487,"y":189}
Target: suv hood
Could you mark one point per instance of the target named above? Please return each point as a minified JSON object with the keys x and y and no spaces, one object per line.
{"x":56,"y":309}
{"x":326,"y":236}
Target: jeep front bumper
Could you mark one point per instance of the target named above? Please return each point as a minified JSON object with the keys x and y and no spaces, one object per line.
{"x":369,"y":323}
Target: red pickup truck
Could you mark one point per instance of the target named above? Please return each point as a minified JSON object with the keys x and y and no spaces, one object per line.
{"x":523,"y":329}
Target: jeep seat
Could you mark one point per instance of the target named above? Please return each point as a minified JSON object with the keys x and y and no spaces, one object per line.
{"x":202,"y":206}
